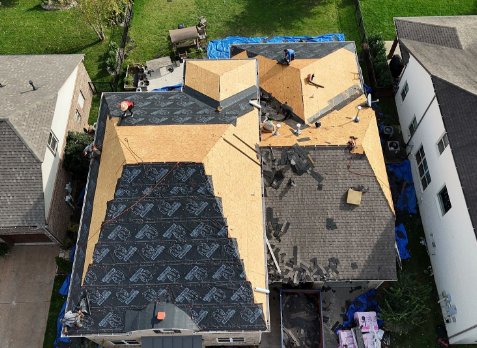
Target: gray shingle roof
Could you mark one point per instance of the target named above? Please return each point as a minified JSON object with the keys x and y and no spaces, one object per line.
{"x":21,"y":197}
{"x":31,"y":112}
{"x":458,"y":108}
{"x":445,"y":46}
{"x":363,"y":242}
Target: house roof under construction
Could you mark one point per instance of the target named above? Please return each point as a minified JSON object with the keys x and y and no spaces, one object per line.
{"x":173,"y":213}
{"x":315,"y":233}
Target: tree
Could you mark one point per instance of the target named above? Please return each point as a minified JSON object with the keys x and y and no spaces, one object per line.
{"x":403,"y":306}
{"x":96,"y":11}
{"x":74,"y":160}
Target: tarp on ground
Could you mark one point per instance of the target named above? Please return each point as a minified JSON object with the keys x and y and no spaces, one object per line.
{"x":72,"y":254}
{"x":66,"y":285}
{"x":220,"y":49}
{"x":361,"y":303}
{"x":407,"y":201}
{"x":168,"y":88}
{"x":59,"y":326}
{"x":401,"y":170}
{"x":401,"y":241}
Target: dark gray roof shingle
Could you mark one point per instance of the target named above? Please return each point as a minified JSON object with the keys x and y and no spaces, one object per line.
{"x":21,"y":188}
{"x":364,"y":234}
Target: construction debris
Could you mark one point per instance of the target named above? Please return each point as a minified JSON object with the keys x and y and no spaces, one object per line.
{"x":301,"y":320}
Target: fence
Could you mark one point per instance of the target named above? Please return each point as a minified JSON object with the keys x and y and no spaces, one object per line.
{"x":98,"y":87}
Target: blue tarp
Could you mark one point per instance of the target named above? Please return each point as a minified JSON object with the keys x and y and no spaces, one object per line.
{"x":361,"y":304}
{"x":401,"y":170}
{"x":168,"y":88}
{"x":220,"y":49}
{"x":72,"y":254}
{"x":401,"y":241}
{"x":59,"y":326}
{"x":66,"y":285}
{"x":407,"y":201}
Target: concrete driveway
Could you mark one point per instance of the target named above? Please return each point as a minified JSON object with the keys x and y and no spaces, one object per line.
{"x":26,"y":282}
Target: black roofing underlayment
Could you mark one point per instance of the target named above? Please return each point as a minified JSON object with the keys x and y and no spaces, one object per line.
{"x":170,"y":249}
{"x":175,"y":108}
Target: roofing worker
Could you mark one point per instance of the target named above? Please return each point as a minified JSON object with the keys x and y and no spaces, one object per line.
{"x":289,"y":55}
{"x":287,"y":111}
{"x":125,"y":106}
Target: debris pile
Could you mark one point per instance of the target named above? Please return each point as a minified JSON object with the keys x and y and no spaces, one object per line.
{"x":301,"y":320}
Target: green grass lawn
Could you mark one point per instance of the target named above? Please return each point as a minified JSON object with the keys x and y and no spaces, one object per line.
{"x":378,"y":14}
{"x":25,"y":28}
{"x":56,"y":303}
{"x":154,"y":18}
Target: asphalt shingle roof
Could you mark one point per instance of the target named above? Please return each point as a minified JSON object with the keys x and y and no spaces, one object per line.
{"x":21,"y":198}
{"x":361,"y":247}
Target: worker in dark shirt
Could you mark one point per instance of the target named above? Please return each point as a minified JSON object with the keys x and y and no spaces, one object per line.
{"x":287,"y":111}
{"x":289,"y":55}
{"x":125,"y":106}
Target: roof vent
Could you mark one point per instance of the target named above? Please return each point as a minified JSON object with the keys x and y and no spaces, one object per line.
{"x":354,"y":197}
{"x":31,"y":83}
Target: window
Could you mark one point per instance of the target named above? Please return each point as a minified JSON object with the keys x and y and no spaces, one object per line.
{"x":413,"y":126}
{"x":125,"y":343}
{"x":78,"y":116}
{"x":81,"y":99}
{"x":444,"y":201}
{"x":404,"y":91}
{"x":53,"y":142}
{"x":423,"y":168}
{"x":442,"y":143}
{"x":167,"y":331}
{"x":230,"y":340}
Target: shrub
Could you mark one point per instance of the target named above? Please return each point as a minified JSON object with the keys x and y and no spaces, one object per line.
{"x":111,"y":63}
{"x":403,"y":307}
{"x":4,"y":249}
{"x":128,"y":80}
{"x":113,"y":46}
{"x":64,"y":266}
{"x":377,"y":50}
{"x":74,"y":160}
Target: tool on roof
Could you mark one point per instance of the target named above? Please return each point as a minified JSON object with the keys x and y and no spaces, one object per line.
{"x":309,"y":79}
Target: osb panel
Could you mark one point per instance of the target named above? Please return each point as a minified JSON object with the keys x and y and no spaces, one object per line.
{"x":202,"y":80}
{"x":241,"y":55}
{"x":336,"y":128}
{"x":374,"y":153}
{"x":337,"y":72}
{"x":110,"y":170}
{"x":173,"y":143}
{"x":283,"y":82}
{"x":237,"y":179}
{"x":238,"y":79}
{"x":220,"y":67}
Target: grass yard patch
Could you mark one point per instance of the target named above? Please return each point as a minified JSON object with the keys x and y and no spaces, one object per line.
{"x":26,"y":28}
{"x":378,"y":14}
{"x":154,"y":18}
{"x":57,"y":301}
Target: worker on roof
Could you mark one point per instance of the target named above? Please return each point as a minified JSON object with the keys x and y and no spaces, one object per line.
{"x":125,"y":106}
{"x":287,"y":111}
{"x":289,"y":55}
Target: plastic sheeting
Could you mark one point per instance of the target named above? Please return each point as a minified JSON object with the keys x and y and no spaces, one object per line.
{"x":66,"y":285}
{"x":168,"y":88}
{"x":362,"y":303}
{"x":59,"y":326}
{"x":407,"y":201}
{"x":220,"y":49}
{"x":401,"y":241}
{"x":401,"y":170}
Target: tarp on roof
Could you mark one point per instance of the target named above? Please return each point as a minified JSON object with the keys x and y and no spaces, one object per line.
{"x":401,"y":241}
{"x":168,"y":88}
{"x":220,"y":49}
{"x":173,"y":342}
{"x":178,"y":35}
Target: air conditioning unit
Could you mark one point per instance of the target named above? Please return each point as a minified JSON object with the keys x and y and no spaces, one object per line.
{"x":388,"y":132}
{"x":392,"y":148}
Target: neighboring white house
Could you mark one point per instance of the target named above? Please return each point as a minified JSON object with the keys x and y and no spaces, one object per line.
{"x":437,"y":107}
{"x":43,"y":97}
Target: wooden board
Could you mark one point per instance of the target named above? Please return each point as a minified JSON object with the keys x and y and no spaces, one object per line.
{"x":354,"y":197}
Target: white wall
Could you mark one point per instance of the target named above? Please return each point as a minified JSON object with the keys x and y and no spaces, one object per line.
{"x":455,"y":255}
{"x":49,"y":167}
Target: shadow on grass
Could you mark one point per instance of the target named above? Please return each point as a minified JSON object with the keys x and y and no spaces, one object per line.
{"x":36,"y":8}
{"x":279,"y":16}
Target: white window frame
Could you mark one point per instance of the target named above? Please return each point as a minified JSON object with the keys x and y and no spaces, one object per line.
{"x":441,"y":203}
{"x":444,"y":139}
{"x":81,"y":99}
{"x":53,"y":146}
{"x":125,"y":343}
{"x":414,"y":124}
{"x":426,"y":173}
{"x":231,"y":340}
{"x":404,"y":91}
{"x":78,"y":115}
